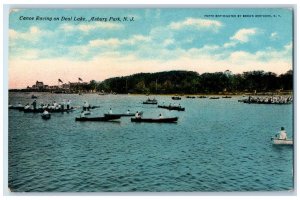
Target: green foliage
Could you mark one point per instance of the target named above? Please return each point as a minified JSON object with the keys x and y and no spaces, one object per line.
{"x":188,"y":82}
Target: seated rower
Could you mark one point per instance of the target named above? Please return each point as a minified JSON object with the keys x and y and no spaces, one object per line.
{"x":160,"y":116}
{"x":27,"y":106}
{"x":282,"y":134}
{"x":110,"y":111}
{"x":82,"y":115}
{"x":137,"y":115}
{"x":45,"y":112}
{"x":128,"y":112}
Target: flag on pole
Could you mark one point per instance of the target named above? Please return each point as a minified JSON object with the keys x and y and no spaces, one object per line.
{"x":79,"y":79}
{"x":59,"y":80}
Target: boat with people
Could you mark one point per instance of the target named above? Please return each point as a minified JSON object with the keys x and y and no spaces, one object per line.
{"x":34,"y":97}
{"x":279,"y":100}
{"x":281,"y":138}
{"x":178,"y":108}
{"x":214,"y":97}
{"x":155,"y":120}
{"x":202,"y":97}
{"x":227,"y":97}
{"x":190,"y":97}
{"x":46,"y":116}
{"x":176,"y":98}
{"x":120,"y":115}
{"x":150,"y":101}
{"x":97,"y":119}
{"x":277,"y":141}
{"x":41,"y":110}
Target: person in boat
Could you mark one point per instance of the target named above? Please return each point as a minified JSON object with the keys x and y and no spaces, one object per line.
{"x":34,"y":104}
{"x":20,"y":105}
{"x":45,"y":112}
{"x":282,"y":134}
{"x":86,"y":106}
{"x":68,"y":104}
{"x":63,"y":105}
{"x":26,"y":106}
{"x":128,"y":111}
{"x":160,"y":116}
{"x":179,"y":106}
{"x":110,"y":111}
{"x":82,"y":115}
{"x":137,"y":115}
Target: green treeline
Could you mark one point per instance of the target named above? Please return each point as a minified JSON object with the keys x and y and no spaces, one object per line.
{"x":189,"y":82}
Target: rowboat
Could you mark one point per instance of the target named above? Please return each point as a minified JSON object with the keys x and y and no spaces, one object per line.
{"x":33,"y":97}
{"x":176,"y":98}
{"x":190,"y":97}
{"x":120,"y":115}
{"x":96,"y":119}
{"x":214,"y":98}
{"x":158,"y":120}
{"x":46,"y":116}
{"x":178,"y":108}
{"x":202,"y":97}
{"x":150,"y":102}
{"x":226,"y":97}
{"x":277,"y":141}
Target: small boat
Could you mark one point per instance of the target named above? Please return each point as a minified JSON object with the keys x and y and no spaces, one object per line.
{"x":157,"y":120}
{"x":214,"y":98}
{"x":226,"y":97}
{"x":46,"y":116}
{"x":150,"y":101}
{"x":202,"y":97}
{"x":176,"y":98}
{"x":86,"y":112}
{"x":97,"y":119}
{"x":33,"y":97}
{"x":190,"y":97}
{"x":277,"y":141}
{"x":178,"y":108}
{"x":41,"y":110}
{"x":121,"y":115}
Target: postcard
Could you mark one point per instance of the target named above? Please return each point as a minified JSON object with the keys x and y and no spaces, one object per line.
{"x":150,"y":100}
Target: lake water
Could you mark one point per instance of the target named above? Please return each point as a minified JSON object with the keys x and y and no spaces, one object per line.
{"x":216,"y":145}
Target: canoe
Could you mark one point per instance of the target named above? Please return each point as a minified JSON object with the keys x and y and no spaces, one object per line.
{"x":176,"y":98}
{"x":226,"y":97}
{"x":120,"y":115}
{"x":96,"y":119}
{"x":202,"y":97}
{"x":46,"y":116}
{"x":282,"y":142}
{"x":150,"y":102}
{"x":158,"y":120}
{"x":214,"y":98}
{"x":190,"y":97}
{"x":172,"y":108}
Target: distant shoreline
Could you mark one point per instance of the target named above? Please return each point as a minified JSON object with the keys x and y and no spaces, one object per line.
{"x":285,"y":93}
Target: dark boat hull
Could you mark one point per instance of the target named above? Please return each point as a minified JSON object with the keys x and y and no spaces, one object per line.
{"x":119,"y":115}
{"x":149,"y":102}
{"x":48,"y":116}
{"x":96,"y":119}
{"x":176,"y":98}
{"x":150,"y":120}
{"x":172,"y":108}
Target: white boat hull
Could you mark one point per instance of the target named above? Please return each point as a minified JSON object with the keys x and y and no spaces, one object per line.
{"x":282,"y":142}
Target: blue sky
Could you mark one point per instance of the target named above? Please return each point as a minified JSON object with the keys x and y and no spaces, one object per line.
{"x":202,"y":40}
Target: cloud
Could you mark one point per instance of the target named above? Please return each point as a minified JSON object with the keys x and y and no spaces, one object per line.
{"x":89,"y":27}
{"x":274,"y":36}
{"x":32,"y":34}
{"x":197,"y":23}
{"x":243,"y":35}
